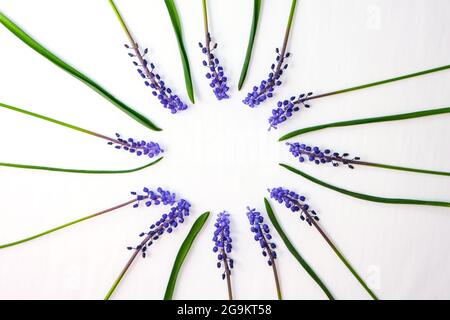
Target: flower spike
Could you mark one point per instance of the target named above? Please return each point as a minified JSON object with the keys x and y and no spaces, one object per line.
{"x":222,"y":246}
{"x":263,"y":237}
{"x":146,"y":70}
{"x":314,"y":154}
{"x":266,"y":88}
{"x":216,"y":75}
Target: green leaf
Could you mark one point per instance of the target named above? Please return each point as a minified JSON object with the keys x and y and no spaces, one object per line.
{"x":26,"y":166}
{"x":366,"y":196}
{"x":251,"y":41}
{"x":182,"y":253}
{"x":293,"y":251}
{"x":396,"y":117}
{"x":174,"y":17}
{"x":18,"y":32}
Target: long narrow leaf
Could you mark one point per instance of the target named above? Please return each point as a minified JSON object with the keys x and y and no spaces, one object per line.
{"x":27,"y":39}
{"x":173,"y":13}
{"x":293,"y":251}
{"x":182,"y":253}
{"x":31,"y":167}
{"x":396,"y":117}
{"x":366,"y":196}
{"x":251,"y":41}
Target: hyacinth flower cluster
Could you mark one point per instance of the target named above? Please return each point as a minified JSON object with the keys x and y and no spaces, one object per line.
{"x":314,"y":154}
{"x":146,"y":70}
{"x":266,"y":88}
{"x":294,"y":202}
{"x":286,"y":108}
{"x":168,"y":221}
{"x":222,"y":247}
{"x":262,"y":234}
{"x":215,"y":74}
{"x":139,"y":147}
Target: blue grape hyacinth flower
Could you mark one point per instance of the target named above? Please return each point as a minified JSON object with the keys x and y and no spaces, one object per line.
{"x":266,"y":88}
{"x":168,"y":222}
{"x":321,"y":156}
{"x":139,"y":147}
{"x":294,"y":202}
{"x":146,"y":71}
{"x":222,"y":243}
{"x":215,"y":74}
{"x":285,"y":109}
{"x":262,"y":235}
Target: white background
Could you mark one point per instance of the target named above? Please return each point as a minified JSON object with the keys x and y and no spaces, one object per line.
{"x":219,"y":154}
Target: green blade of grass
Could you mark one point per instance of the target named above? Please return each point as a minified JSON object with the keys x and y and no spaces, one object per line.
{"x":396,"y":117}
{"x":182,"y":253}
{"x":251,"y":41}
{"x":366,"y":196}
{"x":83,"y":171}
{"x":293,"y":251}
{"x":28,"y":40}
{"x":175,"y":19}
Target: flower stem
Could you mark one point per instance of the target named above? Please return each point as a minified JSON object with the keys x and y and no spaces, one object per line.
{"x":227,"y":274}
{"x":273,"y":264}
{"x":289,"y":25}
{"x":127,"y":266}
{"x":122,"y":22}
{"x":135,"y":47}
{"x":67,"y":224}
{"x":205,"y":19}
{"x":286,"y":36}
{"x":373,"y":84}
{"x":61,"y":123}
{"x":339,"y":254}
{"x":277,"y":281}
{"x":396,"y":117}
{"x":31,"y":167}
{"x":391,"y":167}
{"x":350,"y":162}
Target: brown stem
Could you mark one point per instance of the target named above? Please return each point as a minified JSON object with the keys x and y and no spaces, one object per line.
{"x":130,"y":261}
{"x":227,"y":274}
{"x":272,"y":261}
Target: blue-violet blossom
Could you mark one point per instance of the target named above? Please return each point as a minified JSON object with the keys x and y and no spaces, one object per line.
{"x":304,"y":152}
{"x":222,"y":243}
{"x":153,"y":80}
{"x":262,"y":234}
{"x":266,"y":88}
{"x":294,"y":202}
{"x":138,"y":147}
{"x":286,"y":108}
{"x":218,"y":80}
{"x":167,"y":223}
